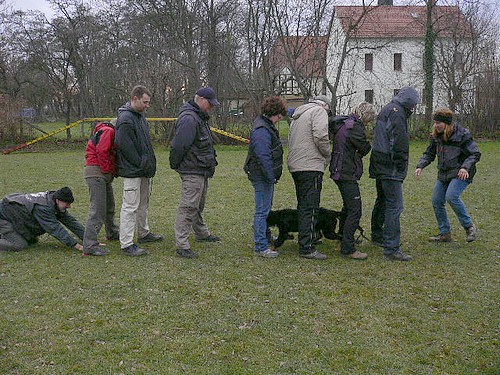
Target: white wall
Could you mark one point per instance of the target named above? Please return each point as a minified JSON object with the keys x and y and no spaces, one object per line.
{"x":383,"y":79}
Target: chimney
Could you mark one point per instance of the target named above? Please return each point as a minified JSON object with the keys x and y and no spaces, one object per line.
{"x":385,"y":2}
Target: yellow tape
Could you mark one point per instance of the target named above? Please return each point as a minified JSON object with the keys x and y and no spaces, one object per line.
{"x":94,"y":119}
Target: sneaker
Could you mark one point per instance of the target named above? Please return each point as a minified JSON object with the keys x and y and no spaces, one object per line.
{"x":358,"y":255}
{"x":134,"y":251}
{"x":210,"y":238}
{"x":471,"y":233}
{"x":446,"y":237}
{"x":398,"y":255}
{"x":151,"y":237}
{"x":314,"y":255}
{"x":186,"y":253}
{"x":266,"y":253}
{"x":96,"y":251}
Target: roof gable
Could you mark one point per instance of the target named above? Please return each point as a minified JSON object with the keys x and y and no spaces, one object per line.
{"x":305,"y":53}
{"x":401,"y":21}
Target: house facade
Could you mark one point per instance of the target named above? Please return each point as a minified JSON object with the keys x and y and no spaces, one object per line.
{"x":374,"y":51}
{"x":297,"y":66}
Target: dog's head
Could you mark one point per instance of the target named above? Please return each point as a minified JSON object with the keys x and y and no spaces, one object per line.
{"x":328,"y":222}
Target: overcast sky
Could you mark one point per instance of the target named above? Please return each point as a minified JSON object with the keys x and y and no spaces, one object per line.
{"x":41,"y":5}
{"x":44,"y":6}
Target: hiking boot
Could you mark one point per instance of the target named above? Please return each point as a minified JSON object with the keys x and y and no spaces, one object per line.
{"x":471,"y":233}
{"x":187,"y":253}
{"x":151,"y":237}
{"x":134,"y":251}
{"x":210,"y":238}
{"x":358,"y":255}
{"x":266,"y":253}
{"x":446,"y":237}
{"x":96,"y":251}
{"x":314,"y":255}
{"x":398,"y":255}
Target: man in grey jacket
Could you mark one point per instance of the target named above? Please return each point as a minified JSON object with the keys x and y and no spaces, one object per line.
{"x":24,"y":217}
{"x":308,"y":156}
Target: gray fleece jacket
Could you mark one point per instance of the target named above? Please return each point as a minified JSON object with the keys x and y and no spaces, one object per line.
{"x":308,"y":142}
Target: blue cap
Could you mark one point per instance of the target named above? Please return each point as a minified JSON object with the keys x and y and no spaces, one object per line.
{"x":209,"y":94}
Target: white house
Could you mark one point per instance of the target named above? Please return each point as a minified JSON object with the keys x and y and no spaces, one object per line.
{"x":380,"y":49}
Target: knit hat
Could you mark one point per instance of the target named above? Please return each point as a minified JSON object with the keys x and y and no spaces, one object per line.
{"x":64,"y":194}
{"x":442,"y":117}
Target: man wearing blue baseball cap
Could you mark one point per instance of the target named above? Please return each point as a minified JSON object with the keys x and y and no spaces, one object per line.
{"x":193,"y":156}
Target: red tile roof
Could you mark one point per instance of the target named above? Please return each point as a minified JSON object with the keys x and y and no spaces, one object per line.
{"x":401,"y":21}
{"x":306,"y":53}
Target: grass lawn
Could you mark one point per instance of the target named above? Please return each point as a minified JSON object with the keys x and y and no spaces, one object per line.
{"x":230,"y":313}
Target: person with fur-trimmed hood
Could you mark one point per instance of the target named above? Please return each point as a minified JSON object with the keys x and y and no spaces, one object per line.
{"x":308,"y":156}
{"x":457,"y":155}
{"x":25,"y":217}
{"x":389,"y":166}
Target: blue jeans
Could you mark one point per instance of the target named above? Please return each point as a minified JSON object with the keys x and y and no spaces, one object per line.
{"x":450,"y":192}
{"x":263,"y":202}
{"x":386,"y":227}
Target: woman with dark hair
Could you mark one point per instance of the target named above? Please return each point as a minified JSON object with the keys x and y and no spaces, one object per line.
{"x":264,"y":165}
{"x":457,"y":155}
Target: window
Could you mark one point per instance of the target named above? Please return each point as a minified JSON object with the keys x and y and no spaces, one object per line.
{"x":459,"y":60}
{"x":398,"y":61}
{"x":287,"y":84}
{"x":369,"y":61}
{"x":369,"y":96}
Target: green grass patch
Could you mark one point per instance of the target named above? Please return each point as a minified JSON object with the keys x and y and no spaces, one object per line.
{"x":230,"y":313}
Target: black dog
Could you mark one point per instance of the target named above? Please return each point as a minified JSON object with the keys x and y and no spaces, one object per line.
{"x":287,"y":221}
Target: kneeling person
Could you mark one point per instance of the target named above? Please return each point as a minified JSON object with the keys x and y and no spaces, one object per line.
{"x":24,"y":217}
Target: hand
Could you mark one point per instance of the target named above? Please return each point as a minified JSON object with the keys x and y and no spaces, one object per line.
{"x":78,"y":247}
{"x":418,"y":172}
{"x":463,"y":174}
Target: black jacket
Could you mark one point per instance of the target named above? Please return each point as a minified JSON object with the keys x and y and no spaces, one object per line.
{"x":391,"y":145}
{"x":34,"y":214}
{"x":460,"y":151}
{"x":349,"y":147}
{"x":192,"y":148}
{"x":265,"y":153}
{"x":135,"y":156}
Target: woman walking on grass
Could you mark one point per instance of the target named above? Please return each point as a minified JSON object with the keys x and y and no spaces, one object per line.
{"x":457,"y":155}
